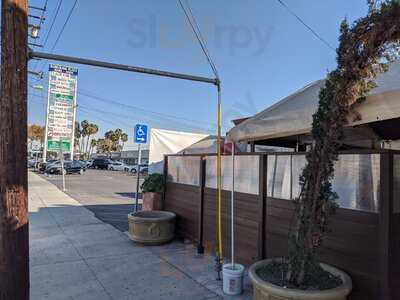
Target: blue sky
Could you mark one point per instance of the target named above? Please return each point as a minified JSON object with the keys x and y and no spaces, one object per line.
{"x":261,"y":51}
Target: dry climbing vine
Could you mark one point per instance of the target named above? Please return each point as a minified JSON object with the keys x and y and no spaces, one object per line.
{"x":364,"y":51}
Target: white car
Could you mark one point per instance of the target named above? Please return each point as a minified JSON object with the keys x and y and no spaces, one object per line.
{"x":130,"y":169}
{"x":116,"y":166}
{"x":89,"y":163}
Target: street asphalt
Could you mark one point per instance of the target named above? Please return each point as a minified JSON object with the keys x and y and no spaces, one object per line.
{"x":110,"y":195}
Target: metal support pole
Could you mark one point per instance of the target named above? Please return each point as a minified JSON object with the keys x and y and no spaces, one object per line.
{"x":219,"y":257}
{"x":103,"y":64}
{"x":137,"y":178}
{"x":233,"y":208}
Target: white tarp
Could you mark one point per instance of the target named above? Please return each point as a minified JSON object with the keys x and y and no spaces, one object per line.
{"x":164,"y":142}
{"x":293,"y":115}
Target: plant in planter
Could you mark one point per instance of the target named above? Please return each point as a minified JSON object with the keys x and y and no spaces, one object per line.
{"x":152,"y":189}
{"x":364,"y":51}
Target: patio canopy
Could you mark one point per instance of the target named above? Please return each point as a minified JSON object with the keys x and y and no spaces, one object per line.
{"x":292,"y":116}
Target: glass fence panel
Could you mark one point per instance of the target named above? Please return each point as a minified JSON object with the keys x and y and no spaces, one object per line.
{"x":184,"y":169}
{"x":396,"y":183}
{"x":246,"y":173}
{"x":356,"y":181}
{"x":298,"y":164}
{"x":211,"y":172}
{"x":281,"y":187}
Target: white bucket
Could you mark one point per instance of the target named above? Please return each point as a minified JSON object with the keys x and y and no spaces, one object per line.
{"x":232,"y":279}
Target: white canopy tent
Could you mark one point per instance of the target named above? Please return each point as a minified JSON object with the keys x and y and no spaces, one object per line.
{"x":292,"y":116}
{"x":164,"y":142}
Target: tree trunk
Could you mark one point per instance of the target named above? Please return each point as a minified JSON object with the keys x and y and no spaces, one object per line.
{"x":14,"y":239}
{"x":87,"y":145}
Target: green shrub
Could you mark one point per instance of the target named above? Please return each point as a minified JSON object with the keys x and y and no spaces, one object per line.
{"x":153,"y":183}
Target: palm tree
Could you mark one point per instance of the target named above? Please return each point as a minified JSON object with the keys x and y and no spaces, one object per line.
{"x":84,"y":133}
{"x":93,"y":143}
{"x":78,"y":135}
{"x":91,"y":129}
{"x":124,"y":139}
{"x":100,"y":146}
{"x":118,"y":132}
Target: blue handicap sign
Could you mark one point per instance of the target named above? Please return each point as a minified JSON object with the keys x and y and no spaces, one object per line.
{"x":140,"y":134}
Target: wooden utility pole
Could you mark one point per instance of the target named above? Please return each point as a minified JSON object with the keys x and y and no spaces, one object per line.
{"x":14,"y":242}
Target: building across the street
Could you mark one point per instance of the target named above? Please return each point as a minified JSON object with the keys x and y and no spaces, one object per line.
{"x":129,"y":157}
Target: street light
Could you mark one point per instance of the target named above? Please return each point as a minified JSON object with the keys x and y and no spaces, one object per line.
{"x":34,"y":31}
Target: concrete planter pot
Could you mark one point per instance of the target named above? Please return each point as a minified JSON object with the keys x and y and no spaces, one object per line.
{"x":263,"y":290}
{"x":152,"y":201}
{"x":151,"y":227}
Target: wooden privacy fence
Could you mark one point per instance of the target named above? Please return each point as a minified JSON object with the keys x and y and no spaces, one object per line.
{"x":364,"y":239}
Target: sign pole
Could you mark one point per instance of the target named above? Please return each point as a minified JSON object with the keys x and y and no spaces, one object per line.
{"x":138,"y":177}
{"x":140,"y":137}
{"x":62,"y":165}
{"x":46,"y":131}
{"x":72,"y":149}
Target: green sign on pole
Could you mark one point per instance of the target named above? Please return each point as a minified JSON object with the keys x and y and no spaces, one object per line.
{"x":53,"y":145}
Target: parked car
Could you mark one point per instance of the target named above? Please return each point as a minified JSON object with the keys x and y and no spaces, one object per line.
{"x":101,"y":163}
{"x":70,"y":167}
{"x":54,"y":164}
{"x":42,"y":166}
{"x":89,"y":163}
{"x":31,"y":163}
{"x":143,"y":169}
{"x":130,"y":169}
{"x":83,"y":163}
{"x":116,"y":166}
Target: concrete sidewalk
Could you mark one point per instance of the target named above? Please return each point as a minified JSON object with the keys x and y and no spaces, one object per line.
{"x":74,"y":255}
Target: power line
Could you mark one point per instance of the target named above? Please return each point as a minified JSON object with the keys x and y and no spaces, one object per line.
{"x":150,"y":120}
{"x":50,"y":29}
{"x":139,"y":108}
{"x":201,"y":37}
{"x":196,"y":30}
{"x":84,"y":110}
{"x":62,"y":29}
{"x":90,"y":112}
{"x":42,"y":17}
{"x":307,"y":26}
{"x":52,"y":23}
{"x":64,"y":25}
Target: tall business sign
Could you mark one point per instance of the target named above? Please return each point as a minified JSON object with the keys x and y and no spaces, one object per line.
{"x":61,"y":109}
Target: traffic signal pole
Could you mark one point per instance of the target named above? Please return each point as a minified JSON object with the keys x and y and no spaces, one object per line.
{"x":14,"y":239}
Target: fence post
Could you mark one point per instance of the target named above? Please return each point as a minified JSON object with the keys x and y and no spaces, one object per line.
{"x":262,"y":186}
{"x":385,"y":226}
{"x":200,"y":247}
{"x":164,"y":195}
